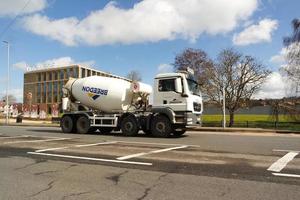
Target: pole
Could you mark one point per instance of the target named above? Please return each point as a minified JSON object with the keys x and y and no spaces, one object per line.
{"x":224,"y":108}
{"x":7,"y":86}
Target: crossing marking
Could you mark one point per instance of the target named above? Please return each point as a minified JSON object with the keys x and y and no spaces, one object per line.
{"x":33,"y":141}
{"x":150,"y":152}
{"x":90,"y":158}
{"x":282,"y":162}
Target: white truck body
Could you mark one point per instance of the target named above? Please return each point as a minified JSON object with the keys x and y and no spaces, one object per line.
{"x":108,"y":103}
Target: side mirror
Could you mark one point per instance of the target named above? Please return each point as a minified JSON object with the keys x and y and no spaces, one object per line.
{"x":178,"y":86}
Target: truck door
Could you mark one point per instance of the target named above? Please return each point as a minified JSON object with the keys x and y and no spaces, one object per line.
{"x":169,"y":94}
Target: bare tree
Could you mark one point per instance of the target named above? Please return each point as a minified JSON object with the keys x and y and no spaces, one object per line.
{"x":292,"y":44}
{"x":197,"y":60}
{"x":11,"y":99}
{"x":134,"y":75}
{"x":240,"y":75}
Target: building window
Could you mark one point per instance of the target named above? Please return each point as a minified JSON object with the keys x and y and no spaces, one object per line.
{"x":39,"y":77}
{"x":88,"y":72}
{"x":62,"y":74}
{"x":55,"y":75}
{"x":49,"y":100}
{"x":50,"y":76}
{"x":68,"y":73}
{"x":44,"y":92}
{"x":82,"y":73}
{"x":39,"y":89}
{"x":75,"y":72}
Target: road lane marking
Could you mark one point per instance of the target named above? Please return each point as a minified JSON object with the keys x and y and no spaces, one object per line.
{"x":153,"y":143}
{"x":95,"y":144}
{"x":284,"y":150}
{"x":13,"y":137}
{"x":282,"y":162}
{"x":287,"y":175}
{"x":51,"y":149}
{"x":90,"y":158}
{"x":150,"y":152}
{"x":33,"y":141}
{"x":77,"y":146}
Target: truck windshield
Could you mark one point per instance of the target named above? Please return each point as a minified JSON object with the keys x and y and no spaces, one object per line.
{"x":194,"y":87}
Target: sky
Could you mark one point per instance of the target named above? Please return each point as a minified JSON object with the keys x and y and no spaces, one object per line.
{"x":144,"y":35}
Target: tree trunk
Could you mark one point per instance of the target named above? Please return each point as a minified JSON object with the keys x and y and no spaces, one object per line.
{"x":231,"y":118}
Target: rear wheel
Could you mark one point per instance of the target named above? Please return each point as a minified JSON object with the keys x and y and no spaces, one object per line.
{"x":106,"y":129}
{"x":161,"y":126}
{"x":129,"y":126}
{"x":67,"y":125}
{"x":83,"y":125}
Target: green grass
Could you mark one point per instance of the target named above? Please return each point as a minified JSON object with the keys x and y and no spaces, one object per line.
{"x":243,"y":118}
{"x":253,"y":121}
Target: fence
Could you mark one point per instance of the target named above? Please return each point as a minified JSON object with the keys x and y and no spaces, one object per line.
{"x":295,"y":126}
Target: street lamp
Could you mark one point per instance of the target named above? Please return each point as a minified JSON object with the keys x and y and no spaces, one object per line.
{"x":7,"y":86}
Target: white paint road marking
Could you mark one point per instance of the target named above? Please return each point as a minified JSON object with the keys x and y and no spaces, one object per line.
{"x":282,"y":162}
{"x":13,"y":137}
{"x":150,"y":152}
{"x":282,"y":150}
{"x":95,"y":144}
{"x":91,"y":159}
{"x":153,"y":143}
{"x":287,"y":175}
{"x":33,"y":141}
{"x":77,"y":146}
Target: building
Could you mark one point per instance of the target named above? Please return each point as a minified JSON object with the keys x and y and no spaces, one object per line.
{"x":43,"y":87}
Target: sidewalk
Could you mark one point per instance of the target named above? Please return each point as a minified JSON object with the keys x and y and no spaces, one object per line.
{"x":258,"y":130}
{"x":25,"y":122}
{"x":48,"y":123}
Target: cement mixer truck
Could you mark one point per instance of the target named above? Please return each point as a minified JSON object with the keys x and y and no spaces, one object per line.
{"x":115,"y":103}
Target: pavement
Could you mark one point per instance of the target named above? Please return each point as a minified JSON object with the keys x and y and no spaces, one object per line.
{"x":43,"y":163}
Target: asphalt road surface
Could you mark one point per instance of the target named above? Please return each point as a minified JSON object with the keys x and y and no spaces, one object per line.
{"x":43,"y":163}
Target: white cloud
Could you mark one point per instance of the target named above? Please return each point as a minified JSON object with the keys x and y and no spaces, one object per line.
{"x":164,"y":68}
{"x":146,"y":21}
{"x":279,"y":58}
{"x":56,"y":62}
{"x":275,"y":87}
{"x":256,"y":33}
{"x":15,"y":7}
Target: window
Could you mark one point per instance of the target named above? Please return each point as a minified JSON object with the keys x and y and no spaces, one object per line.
{"x":39,"y":77}
{"x":62,"y":74}
{"x":82,"y":73}
{"x":50,"y":76}
{"x":55,"y":75}
{"x":166,"y":85}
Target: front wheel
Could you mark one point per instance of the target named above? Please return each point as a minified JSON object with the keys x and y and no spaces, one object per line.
{"x":161,"y":126}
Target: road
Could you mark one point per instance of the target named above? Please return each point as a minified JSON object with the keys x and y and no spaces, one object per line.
{"x":43,"y":163}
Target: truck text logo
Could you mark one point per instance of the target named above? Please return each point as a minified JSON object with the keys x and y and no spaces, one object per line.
{"x":93,"y":92}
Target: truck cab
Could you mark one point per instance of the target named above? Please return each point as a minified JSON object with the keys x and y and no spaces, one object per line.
{"x":180,"y":92}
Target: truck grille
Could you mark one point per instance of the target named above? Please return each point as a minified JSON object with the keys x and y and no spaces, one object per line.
{"x":197,"y":107}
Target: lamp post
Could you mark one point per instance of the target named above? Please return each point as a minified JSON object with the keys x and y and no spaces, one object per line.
{"x":7,"y":86}
{"x":224,"y":106}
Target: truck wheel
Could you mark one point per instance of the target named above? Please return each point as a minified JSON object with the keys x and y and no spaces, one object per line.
{"x":83,"y":125}
{"x":179,"y":133}
{"x":129,"y":126}
{"x":66,"y":124}
{"x":106,"y":129}
{"x":161,"y":126}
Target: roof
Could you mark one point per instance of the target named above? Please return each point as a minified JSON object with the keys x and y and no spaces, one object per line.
{"x":74,"y":65}
{"x":166,"y":75}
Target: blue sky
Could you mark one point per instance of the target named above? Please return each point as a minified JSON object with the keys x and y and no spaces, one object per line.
{"x":119,"y":36}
